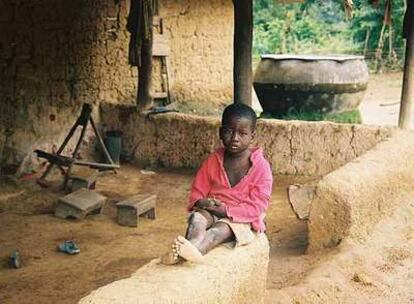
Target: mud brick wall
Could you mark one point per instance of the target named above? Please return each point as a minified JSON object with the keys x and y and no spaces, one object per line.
{"x":56,"y":55}
{"x":229,"y":275}
{"x":350,"y":201}
{"x":292,"y":147}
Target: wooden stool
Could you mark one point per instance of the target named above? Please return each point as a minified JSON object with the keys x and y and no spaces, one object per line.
{"x":79,"y":203}
{"x":85,"y":178}
{"x":130,"y":209}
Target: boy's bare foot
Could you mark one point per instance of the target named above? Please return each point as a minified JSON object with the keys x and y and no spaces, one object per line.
{"x":185,"y":249}
{"x":171,"y":257}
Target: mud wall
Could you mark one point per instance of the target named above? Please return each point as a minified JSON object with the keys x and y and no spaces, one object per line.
{"x":295,"y":147}
{"x":56,"y":55}
{"x":228,"y":275}
{"x":351,"y":200}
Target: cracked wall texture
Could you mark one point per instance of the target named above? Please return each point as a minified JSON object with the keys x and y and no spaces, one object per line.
{"x":56,"y":55}
{"x":292,"y":147}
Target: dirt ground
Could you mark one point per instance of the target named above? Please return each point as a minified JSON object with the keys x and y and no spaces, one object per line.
{"x":110,"y":252}
{"x":381,"y":103}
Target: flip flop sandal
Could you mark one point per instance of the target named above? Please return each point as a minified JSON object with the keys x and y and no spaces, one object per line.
{"x":15,"y":260}
{"x":69,"y":247}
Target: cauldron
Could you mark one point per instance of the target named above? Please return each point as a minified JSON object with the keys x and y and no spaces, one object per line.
{"x":324,"y":83}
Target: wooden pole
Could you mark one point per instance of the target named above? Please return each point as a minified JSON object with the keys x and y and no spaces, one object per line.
{"x":407,"y":94}
{"x":144,"y":98}
{"x":243,"y":44}
{"x":368,"y":33}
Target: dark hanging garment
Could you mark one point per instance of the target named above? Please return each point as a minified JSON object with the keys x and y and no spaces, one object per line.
{"x":139,"y":27}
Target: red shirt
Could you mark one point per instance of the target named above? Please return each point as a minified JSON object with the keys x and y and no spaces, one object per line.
{"x":247,"y":201}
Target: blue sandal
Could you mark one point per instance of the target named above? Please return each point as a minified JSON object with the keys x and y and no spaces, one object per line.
{"x":15,"y":260}
{"x":69,"y":247}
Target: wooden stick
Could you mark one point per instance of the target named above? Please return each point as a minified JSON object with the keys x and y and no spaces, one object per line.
{"x":95,"y":165}
{"x":101,"y":143}
{"x":61,"y":148}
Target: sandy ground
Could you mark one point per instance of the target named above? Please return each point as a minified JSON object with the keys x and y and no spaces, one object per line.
{"x":110,"y":252}
{"x":381,"y":103}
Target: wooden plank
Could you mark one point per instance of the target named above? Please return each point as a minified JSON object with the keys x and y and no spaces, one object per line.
{"x":159,"y":95}
{"x":160,"y":45}
{"x":156,"y":21}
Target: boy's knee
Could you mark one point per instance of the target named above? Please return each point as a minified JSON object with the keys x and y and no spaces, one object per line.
{"x":214,"y":233}
{"x":198,"y":217}
{"x":220,"y":232}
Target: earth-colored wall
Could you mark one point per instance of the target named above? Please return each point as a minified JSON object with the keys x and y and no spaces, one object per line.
{"x":292,"y":147}
{"x":201,"y":40}
{"x":56,"y":55}
{"x":227,"y":275}
{"x":351,"y":200}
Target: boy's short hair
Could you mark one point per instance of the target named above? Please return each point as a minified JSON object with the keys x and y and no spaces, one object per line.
{"x":239,"y":110}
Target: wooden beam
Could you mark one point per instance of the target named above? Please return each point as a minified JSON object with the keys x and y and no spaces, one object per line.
{"x":144,"y":99}
{"x":407,"y":95}
{"x":243,"y":43}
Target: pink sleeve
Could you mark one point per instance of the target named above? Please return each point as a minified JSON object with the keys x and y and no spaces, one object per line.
{"x":201,"y":185}
{"x":252,"y":208}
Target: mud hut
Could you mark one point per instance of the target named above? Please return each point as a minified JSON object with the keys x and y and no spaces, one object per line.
{"x":55,"y":56}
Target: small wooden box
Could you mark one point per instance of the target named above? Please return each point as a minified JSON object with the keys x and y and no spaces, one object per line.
{"x":130,"y":209}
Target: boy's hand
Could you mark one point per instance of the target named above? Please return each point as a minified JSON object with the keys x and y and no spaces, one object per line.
{"x":204,"y":203}
{"x":218,"y":209}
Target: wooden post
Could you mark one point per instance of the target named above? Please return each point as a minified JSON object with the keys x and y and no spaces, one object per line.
{"x":407,"y":94}
{"x":144,"y":99}
{"x":243,"y":43}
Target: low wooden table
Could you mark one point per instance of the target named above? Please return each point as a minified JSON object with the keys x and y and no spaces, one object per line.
{"x":138,"y":205}
{"x":83,"y":178}
{"x":79,"y":203}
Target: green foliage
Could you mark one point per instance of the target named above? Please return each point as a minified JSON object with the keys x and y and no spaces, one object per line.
{"x":321,"y":26}
{"x":353,"y":117}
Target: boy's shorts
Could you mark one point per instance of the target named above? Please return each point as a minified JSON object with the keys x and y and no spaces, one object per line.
{"x":242,"y":231}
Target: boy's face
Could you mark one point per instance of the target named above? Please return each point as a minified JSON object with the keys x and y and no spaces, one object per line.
{"x":237,"y":134}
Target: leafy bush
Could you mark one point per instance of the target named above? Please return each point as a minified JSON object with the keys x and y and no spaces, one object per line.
{"x":321,"y":26}
{"x":353,"y":117}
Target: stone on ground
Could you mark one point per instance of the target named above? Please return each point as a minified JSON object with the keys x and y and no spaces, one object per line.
{"x":300,"y":197}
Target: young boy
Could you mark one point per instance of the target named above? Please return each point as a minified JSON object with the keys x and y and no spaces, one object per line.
{"x":230,"y":192}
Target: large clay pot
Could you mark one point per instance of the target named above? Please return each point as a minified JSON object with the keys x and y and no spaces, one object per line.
{"x":335,"y":83}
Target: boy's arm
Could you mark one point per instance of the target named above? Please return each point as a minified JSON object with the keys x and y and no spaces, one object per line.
{"x":257,"y":202}
{"x":200,"y":187}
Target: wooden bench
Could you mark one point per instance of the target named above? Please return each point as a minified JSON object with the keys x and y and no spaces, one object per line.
{"x":85,"y":178}
{"x":80,"y":203}
{"x":138,"y":205}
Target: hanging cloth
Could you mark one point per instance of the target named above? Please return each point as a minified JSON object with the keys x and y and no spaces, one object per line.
{"x":138,"y":24}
